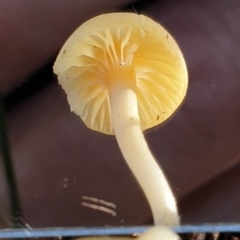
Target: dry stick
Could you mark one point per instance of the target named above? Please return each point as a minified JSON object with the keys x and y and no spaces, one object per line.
{"x":93,"y":199}
{"x":13,"y":195}
{"x":100,"y":208}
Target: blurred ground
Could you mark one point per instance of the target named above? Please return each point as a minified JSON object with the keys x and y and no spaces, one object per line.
{"x":57,"y":160}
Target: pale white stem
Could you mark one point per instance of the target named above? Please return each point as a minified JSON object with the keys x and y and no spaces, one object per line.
{"x":153,"y":233}
{"x":159,"y":233}
{"x":125,"y":118}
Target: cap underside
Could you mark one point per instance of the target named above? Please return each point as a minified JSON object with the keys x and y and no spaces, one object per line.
{"x":122,"y":39}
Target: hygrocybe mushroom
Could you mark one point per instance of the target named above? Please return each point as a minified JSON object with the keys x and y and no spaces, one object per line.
{"x":124,"y":73}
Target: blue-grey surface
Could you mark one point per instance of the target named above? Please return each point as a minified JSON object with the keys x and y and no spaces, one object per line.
{"x":81,"y":232}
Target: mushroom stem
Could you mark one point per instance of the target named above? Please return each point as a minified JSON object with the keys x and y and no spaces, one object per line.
{"x":126,"y":124}
{"x":153,"y":233}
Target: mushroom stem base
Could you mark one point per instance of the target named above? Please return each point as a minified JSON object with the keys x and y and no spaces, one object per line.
{"x":125,"y":118}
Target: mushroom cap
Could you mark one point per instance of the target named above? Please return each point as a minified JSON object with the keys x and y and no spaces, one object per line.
{"x":115,"y":40}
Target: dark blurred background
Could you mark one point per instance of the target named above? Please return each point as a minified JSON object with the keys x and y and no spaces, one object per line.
{"x":57,"y":160}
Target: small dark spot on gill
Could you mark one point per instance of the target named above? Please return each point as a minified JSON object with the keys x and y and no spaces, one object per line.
{"x":95,"y":46}
{"x":131,"y":118}
{"x":64,"y":51}
{"x":157,"y":117}
{"x":163,"y":112}
{"x":167,"y":36}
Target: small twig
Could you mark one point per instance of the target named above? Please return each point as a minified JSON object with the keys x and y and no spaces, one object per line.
{"x":100,"y":208}
{"x":8,"y":169}
{"x":109,"y":204}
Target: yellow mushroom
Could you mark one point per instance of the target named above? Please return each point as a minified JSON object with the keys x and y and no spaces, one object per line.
{"x":123,"y":73}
